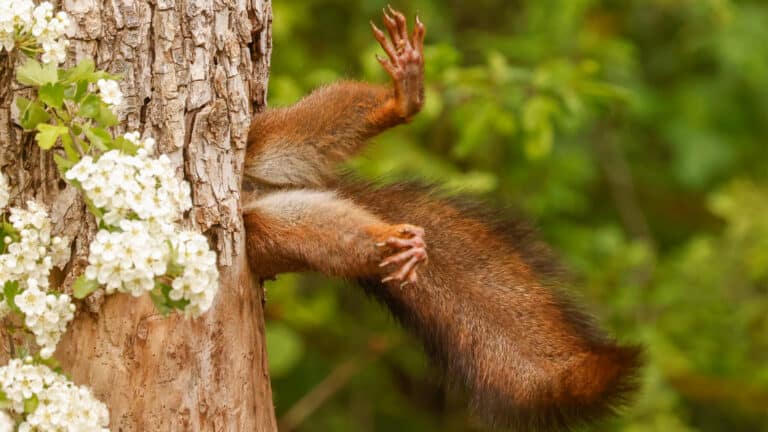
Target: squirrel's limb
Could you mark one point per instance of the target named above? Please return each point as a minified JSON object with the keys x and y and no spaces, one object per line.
{"x":405,"y":64}
{"x":300,"y":145}
{"x":306,"y":230}
{"x":487,"y":313}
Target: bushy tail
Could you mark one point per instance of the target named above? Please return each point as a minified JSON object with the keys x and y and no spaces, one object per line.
{"x":494,"y":324}
{"x":587,"y":389}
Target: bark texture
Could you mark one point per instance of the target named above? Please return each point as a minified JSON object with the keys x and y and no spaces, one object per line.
{"x":193,"y":73}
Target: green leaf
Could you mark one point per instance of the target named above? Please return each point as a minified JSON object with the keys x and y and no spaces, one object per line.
{"x":93,"y":107}
{"x":10,"y":290}
{"x":36,"y":74}
{"x":162,"y":300}
{"x":85,"y":71}
{"x":64,"y":116}
{"x":32,"y":113}
{"x":48,"y":134}
{"x":537,"y":111}
{"x":63,"y":164}
{"x":92,"y":207}
{"x":84,"y":287}
{"x":51,"y":362}
{"x":125,"y":146}
{"x":30,"y":405}
{"x":538,"y":143}
{"x":77,"y":91}
{"x":99,"y":138}
{"x":4,"y":402}
{"x":69,"y":149}
{"x":106,"y":117}
{"x":52,"y":94}
{"x":173,"y":304}
{"x":174,"y":269}
{"x":177,"y":304}
{"x":159,"y":299}
{"x":474,"y":133}
{"x":90,"y":106}
{"x":10,"y":231}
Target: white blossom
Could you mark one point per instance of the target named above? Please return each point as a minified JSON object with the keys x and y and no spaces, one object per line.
{"x":82,"y":170}
{"x":49,"y":30}
{"x":55,"y":51}
{"x":128,"y":260}
{"x":132,"y":260}
{"x":110,"y":92}
{"x":139,"y":186}
{"x":141,"y":198}
{"x":21,"y":19}
{"x":199,"y":281}
{"x":6,"y":422}
{"x":62,"y":406}
{"x":31,"y":301}
{"x":46,"y":316}
{"x":14,"y":14}
{"x":147,"y":144}
{"x":28,"y":261}
{"x":37,"y":251}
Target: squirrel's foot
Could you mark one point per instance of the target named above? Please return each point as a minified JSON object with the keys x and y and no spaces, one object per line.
{"x":406,"y":60}
{"x":409,"y":241}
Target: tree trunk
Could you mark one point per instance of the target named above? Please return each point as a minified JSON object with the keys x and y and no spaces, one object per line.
{"x":193,"y":72}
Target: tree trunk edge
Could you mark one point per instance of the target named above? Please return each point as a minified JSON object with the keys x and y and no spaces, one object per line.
{"x":194,"y":72}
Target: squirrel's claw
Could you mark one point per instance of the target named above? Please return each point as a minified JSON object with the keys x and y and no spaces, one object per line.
{"x":405,"y":62}
{"x":412,"y":254}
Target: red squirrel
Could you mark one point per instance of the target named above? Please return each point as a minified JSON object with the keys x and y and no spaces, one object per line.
{"x":481,"y":300}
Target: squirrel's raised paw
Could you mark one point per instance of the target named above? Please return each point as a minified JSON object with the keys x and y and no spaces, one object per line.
{"x":408,"y":242}
{"x":406,"y":60}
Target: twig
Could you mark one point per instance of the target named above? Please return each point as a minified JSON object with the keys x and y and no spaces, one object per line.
{"x":622,"y":187}
{"x":335,"y":381}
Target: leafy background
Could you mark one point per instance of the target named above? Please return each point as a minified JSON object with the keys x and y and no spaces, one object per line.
{"x":634,"y":133}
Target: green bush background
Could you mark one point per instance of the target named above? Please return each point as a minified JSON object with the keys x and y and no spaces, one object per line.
{"x":634,"y":133}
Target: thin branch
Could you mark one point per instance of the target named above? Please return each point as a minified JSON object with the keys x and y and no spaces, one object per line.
{"x":335,"y":381}
{"x":622,"y":187}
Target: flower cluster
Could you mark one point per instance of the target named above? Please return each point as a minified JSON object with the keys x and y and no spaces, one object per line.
{"x":131,"y":259}
{"x":144,"y":254}
{"x":27,"y":261}
{"x":61,"y":405}
{"x":127,"y":187}
{"x":14,"y":14}
{"x":5,"y":194}
{"x":143,"y":249}
{"x":35,"y":28}
{"x":30,"y":258}
{"x":46,"y":316}
{"x":48,"y":30}
{"x":200,"y":273}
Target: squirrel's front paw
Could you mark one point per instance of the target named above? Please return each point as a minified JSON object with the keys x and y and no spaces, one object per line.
{"x":406,"y":60}
{"x":408,"y":242}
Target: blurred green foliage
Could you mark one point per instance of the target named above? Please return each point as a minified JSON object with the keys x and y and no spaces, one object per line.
{"x":635,"y":134}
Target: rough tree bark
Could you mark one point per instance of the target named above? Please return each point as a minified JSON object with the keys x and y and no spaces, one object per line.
{"x":193,"y":73}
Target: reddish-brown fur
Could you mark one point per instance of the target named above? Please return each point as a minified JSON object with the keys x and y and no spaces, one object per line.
{"x":492,"y":318}
{"x":485,"y":305}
